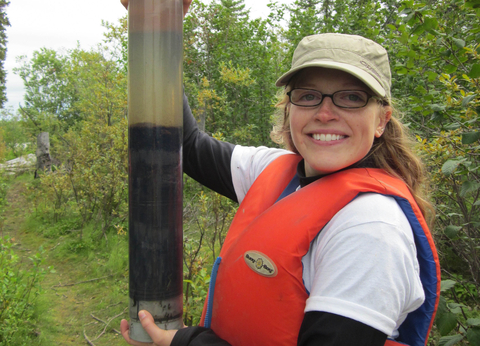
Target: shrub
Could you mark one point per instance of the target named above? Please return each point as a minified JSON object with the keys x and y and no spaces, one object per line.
{"x":19,"y":289}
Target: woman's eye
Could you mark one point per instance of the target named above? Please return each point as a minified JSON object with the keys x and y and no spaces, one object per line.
{"x":355,"y":97}
{"x":308,"y":97}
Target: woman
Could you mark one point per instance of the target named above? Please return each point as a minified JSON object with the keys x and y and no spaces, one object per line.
{"x":330,"y":238}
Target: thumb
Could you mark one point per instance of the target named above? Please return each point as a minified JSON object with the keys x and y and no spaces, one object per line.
{"x":159,"y":337}
{"x":147,"y":322}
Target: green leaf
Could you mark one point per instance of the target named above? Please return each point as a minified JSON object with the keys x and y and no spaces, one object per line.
{"x":447,"y":284}
{"x":472,"y":3}
{"x":468,"y":186}
{"x":473,"y":321}
{"x":455,"y":308}
{"x":442,"y":307}
{"x":437,"y":107}
{"x":446,"y":323}
{"x":432,"y":76}
{"x":418,"y":30}
{"x":459,"y":42}
{"x":430,"y":23}
{"x":473,"y":336}
{"x":450,"y":166}
{"x":470,"y":137}
{"x":475,"y":71}
{"x":453,"y":126}
{"x":449,"y":69}
{"x":467,"y":99}
{"x":446,"y":53}
{"x":450,"y":340}
{"x":451,"y":232}
{"x":420,"y":90}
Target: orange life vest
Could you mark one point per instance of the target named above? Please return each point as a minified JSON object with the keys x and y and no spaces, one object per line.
{"x":259,"y":296}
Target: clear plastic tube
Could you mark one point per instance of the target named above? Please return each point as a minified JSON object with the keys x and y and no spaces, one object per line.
{"x":155,"y":123}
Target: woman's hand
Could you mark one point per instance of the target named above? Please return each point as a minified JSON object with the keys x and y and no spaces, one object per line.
{"x":159,"y":336}
{"x":186,"y":5}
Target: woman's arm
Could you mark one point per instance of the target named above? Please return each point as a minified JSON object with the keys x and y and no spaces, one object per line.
{"x":326,"y":329}
{"x":318,"y":329}
{"x":206,"y":159}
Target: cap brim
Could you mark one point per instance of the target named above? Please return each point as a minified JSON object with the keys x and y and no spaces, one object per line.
{"x":365,"y":77}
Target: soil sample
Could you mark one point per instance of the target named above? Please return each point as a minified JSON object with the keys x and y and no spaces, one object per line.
{"x":155,"y":118}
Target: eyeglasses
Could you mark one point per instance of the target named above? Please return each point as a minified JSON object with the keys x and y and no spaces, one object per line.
{"x":342,"y":98}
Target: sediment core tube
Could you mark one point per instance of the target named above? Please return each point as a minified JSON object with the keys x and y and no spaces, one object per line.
{"x":155,"y":128}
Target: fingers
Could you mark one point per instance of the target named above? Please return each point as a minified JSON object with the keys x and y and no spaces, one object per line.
{"x":160,"y":337}
{"x":186,"y":6}
{"x":124,"y":329}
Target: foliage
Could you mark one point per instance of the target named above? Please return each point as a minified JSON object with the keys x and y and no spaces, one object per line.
{"x":92,"y":184}
{"x":16,"y":141}
{"x":454,"y":315}
{"x":3,"y":201}
{"x":19,"y":289}
{"x":207,"y":216}
{"x":435,"y":59}
{"x":4,"y":23}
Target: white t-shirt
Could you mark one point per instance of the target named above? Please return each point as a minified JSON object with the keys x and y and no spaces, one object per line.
{"x":363,"y":264}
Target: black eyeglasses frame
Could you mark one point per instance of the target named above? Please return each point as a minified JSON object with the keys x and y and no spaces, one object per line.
{"x":369,"y":96}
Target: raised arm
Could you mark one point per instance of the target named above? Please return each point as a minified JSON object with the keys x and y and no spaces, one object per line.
{"x":206,"y":159}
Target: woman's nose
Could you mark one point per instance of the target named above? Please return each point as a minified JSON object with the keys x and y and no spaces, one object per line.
{"x":326,"y":111}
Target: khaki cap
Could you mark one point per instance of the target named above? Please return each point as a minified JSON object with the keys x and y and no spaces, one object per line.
{"x":359,"y":56}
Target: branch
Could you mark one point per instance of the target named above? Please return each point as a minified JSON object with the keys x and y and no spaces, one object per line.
{"x":87,"y":339}
{"x":107,"y":323}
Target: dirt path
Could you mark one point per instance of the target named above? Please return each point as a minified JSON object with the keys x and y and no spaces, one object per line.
{"x":77,"y":303}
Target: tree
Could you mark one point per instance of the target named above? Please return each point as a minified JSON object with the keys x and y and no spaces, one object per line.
{"x":3,"y":50}
{"x":48,"y":94}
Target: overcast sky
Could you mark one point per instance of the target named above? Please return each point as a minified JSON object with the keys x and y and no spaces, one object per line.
{"x":58,"y":24}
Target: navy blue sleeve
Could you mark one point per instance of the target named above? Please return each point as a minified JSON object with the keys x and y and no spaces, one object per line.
{"x":206,"y":159}
{"x":197,"y":336}
{"x":318,"y":329}
{"x":323,"y":328}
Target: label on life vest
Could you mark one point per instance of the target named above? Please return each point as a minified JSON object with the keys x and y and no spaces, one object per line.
{"x":260,"y":263}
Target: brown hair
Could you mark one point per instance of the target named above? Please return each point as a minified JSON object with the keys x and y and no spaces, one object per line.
{"x":393,"y":152}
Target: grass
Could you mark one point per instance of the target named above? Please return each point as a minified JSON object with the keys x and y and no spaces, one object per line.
{"x":87,"y":294}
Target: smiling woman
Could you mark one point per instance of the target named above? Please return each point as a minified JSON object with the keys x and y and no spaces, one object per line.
{"x":330,"y":237}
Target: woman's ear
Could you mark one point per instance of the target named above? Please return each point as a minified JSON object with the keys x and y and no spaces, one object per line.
{"x":385,"y":116}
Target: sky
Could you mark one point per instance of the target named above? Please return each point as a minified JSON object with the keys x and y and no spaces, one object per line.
{"x":61,"y":25}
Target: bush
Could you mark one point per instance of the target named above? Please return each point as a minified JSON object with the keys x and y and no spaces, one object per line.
{"x":19,"y":289}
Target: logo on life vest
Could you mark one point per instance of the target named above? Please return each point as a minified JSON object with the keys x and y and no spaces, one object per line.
{"x":260,"y":263}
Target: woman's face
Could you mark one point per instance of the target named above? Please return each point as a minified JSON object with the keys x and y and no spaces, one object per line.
{"x":330,"y":138}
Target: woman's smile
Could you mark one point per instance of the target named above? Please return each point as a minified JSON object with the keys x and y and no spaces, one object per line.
{"x":327,"y":137}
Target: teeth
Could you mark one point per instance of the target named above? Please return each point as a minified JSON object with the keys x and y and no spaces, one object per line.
{"x":326,"y":137}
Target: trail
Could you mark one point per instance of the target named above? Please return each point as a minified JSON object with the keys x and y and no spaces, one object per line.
{"x":76,"y":304}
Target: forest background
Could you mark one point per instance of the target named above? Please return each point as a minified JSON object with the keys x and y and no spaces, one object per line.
{"x":231,"y":63}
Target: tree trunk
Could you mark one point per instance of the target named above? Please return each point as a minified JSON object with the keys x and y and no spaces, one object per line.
{"x":44,"y":161}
